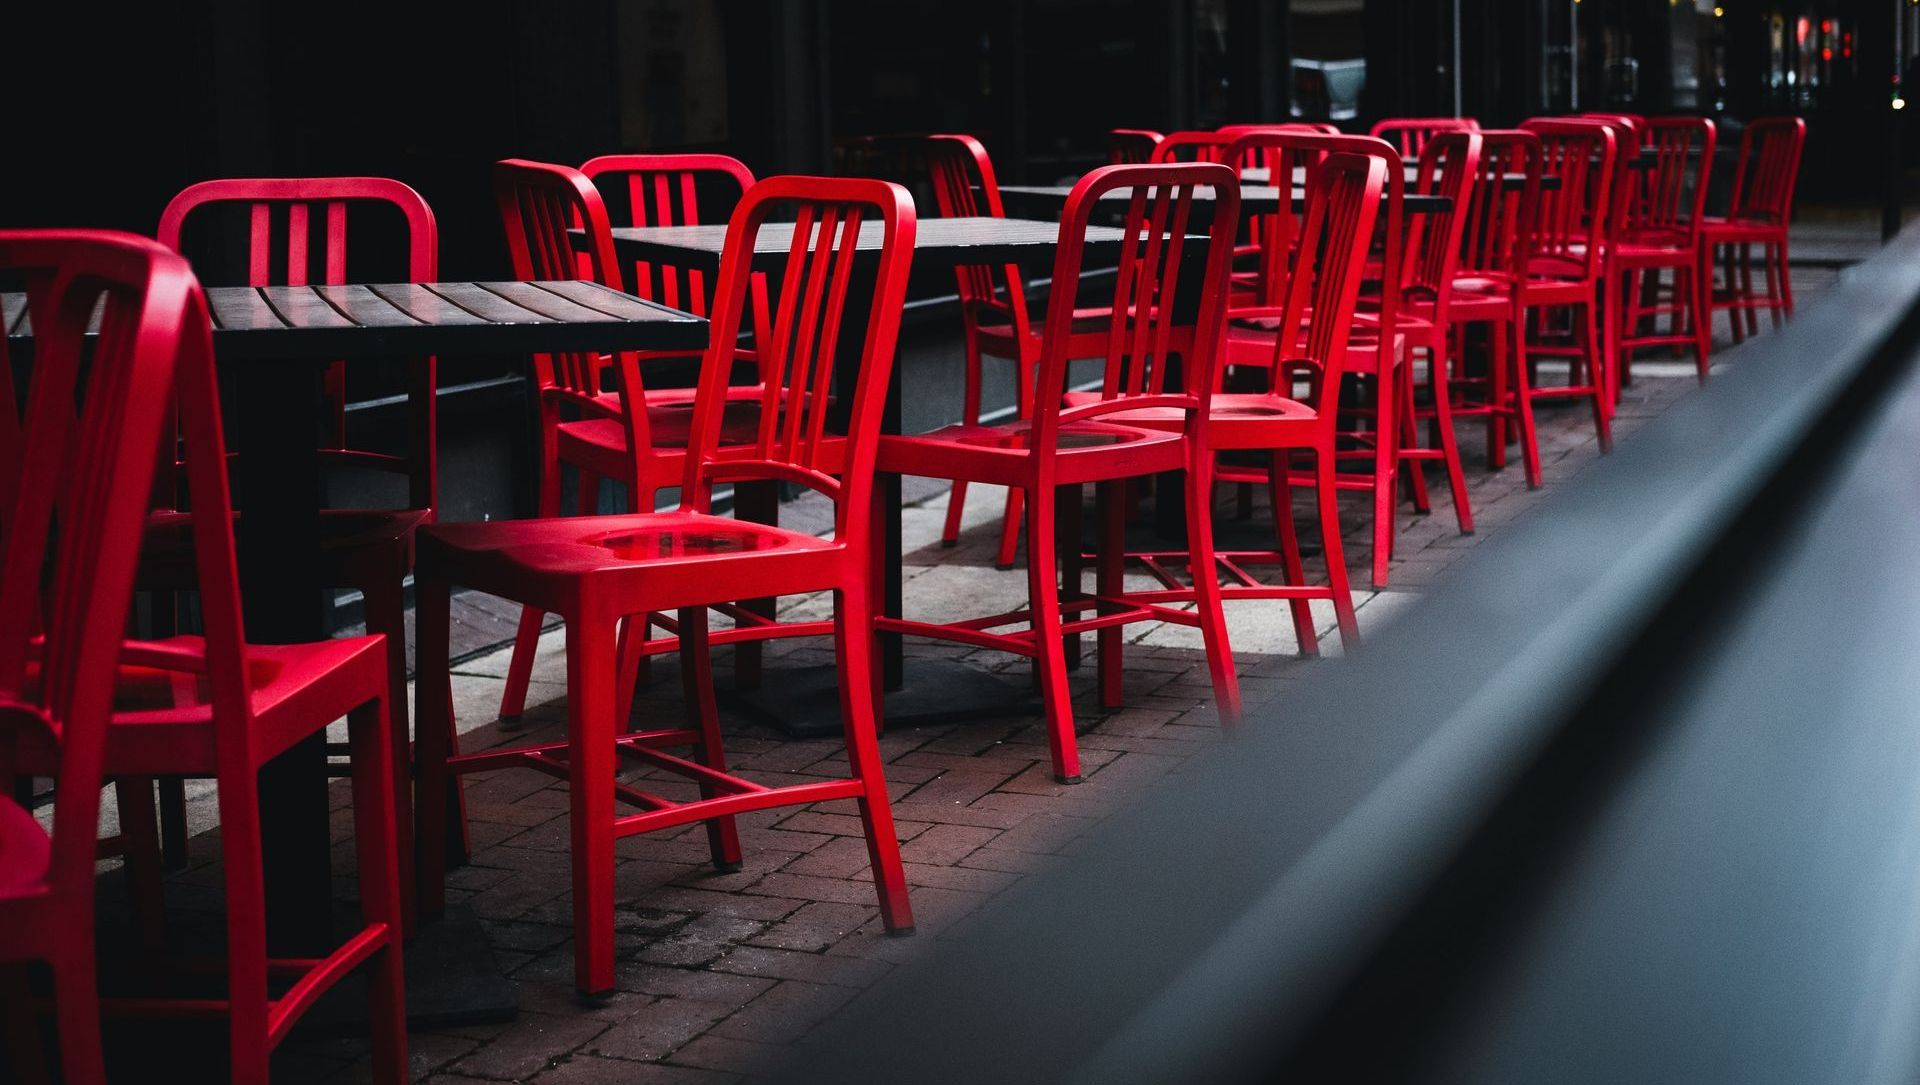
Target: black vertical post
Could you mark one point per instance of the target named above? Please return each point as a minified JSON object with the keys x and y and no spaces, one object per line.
{"x":1007,"y":42}
{"x":1259,"y":57}
{"x":802,"y":135}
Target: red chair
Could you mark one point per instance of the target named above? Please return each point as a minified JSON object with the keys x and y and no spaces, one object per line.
{"x":1410,"y":134}
{"x":1309,"y":346}
{"x":1559,"y":261}
{"x":366,"y":549}
{"x":1661,"y":230}
{"x":1190,"y":146}
{"x":1072,"y":446}
{"x":993,"y":309}
{"x":1131,"y":146}
{"x":202,"y":706}
{"x":597,"y":570}
{"x":648,"y":190}
{"x":1759,"y":214}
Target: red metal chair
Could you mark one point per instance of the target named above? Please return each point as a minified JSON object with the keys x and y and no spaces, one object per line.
{"x":1759,"y":214}
{"x":1661,"y":229}
{"x":1190,"y":146}
{"x":1410,"y":134}
{"x":1310,"y":348}
{"x":1131,"y":146}
{"x":202,"y":706}
{"x":994,"y":311}
{"x":597,"y":570}
{"x":1558,"y":265}
{"x":366,"y":549}
{"x":650,"y":190}
{"x":1072,"y":446}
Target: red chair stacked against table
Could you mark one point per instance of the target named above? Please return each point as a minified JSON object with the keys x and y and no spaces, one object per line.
{"x":209,"y":706}
{"x":1066,"y":447}
{"x":1410,"y":134}
{"x":1131,"y":146}
{"x":596,"y":571}
{"x":1758,"y":214}
{"x":1661,"y":231}
{"x":1560,"y":264}
{"x":1250,"y":263}
{"x":1309,"y":345}
{"x":993,"y":310}
{"x":366,"y":549}
{"x":1494,"y":247}
{"x":652,"y":190}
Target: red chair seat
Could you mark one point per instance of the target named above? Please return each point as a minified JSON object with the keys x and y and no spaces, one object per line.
{"x":25,"y":849}
{"x":1089,"y":451}
{"x":1235,"y":419}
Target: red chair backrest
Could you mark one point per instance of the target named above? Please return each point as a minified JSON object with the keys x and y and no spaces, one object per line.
{"x":78,"y":466}
{"x":1450,"y":167}
{"x":1571,"y":222}
{"x":540,"y":202}
{"x":1670,"y":198}
{"x":1495,"y":240}
{"x":664,"y":190}
{"x":1141,"y":331}
{"x":964,"y":187}
{"x":1330,"y":256}
{"x":1769,"y":164}
{"x":1410,"y":134}
{"x":1131,"y":146}
{"x":1190,"y":146}
{"x":282,"y":216}
{"x":809,"y":322}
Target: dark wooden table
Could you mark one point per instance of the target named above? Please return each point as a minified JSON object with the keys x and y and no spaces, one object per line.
{"x":272,"y":344}
{"x":808,"y":702}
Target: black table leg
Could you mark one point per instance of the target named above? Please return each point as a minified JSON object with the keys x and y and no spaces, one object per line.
{"x":277,"y":479}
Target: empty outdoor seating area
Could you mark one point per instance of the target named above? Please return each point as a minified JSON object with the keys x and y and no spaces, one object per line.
{"x":660,"y":540}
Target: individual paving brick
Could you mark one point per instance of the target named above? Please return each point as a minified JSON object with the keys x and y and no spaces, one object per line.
{"x":955,"y":813}
{"x":594,"y":1070}
{"x":784,"y":1014}
{"x":702,"y":984}
{"x":535,"y":1042}
{"x":815,"y":926}
{"x":840,"y":857}
{"x":945,"y":845}
{"x":700,"y":940}
{"x":1044,"y":833}
{"x":740,"y":905}
{"x":787,"y":964}
{"x":814,"y":888}
{"x":736,"y":1056}
{"x":659,"y":1029}
{"x":1003,"y":859}
{"x":971,"y":879}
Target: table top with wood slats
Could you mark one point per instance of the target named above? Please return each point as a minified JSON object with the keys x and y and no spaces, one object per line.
{"x":947,"y":241}
{"x":329,"y":322}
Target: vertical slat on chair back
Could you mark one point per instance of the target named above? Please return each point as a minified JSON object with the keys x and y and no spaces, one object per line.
{"x":1410,"y":134}
{"x":1769,"y":165}
{"x":74,"y":484}
{"x":1570,"y":222}
{"x":1145,"y":327}
{"x":1495,"y":239}
{"x":1450,"y":168}
{"x":820,"y":302}
{"x":1672,"y":195}
{"x":1131,"y":146}
{"x":964,"y":186}
{"x":540,"y":202}
{"x":1343,"y":203}
{"x":665,"y":190}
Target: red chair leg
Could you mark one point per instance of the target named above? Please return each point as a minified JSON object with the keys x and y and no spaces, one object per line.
{"x":854,"y":647}
{"x":1324,"y":479}
{"x":526,"y":639}
{"x":1596,"y":364}
{"x":247,"y":1011}
{"x":1206,"y":591}
{"x":759,"y":503}
{"x":76,"y":1008}
{"x":377,"y":827}
{"x":591,"y":671}
{"x":1497,"y":363}
{"x":1786,"y":278}
{"x":140,"y":837}
{"x":1110,"y":506}
{"x":1523,"y":403}
{"x":696,"y":678}
{"x":386,"y":614}
{"x":1386,"y":473}
{"x":1449,"y":442}
{"x":1050,"y":668}
{"x":970,"y":414}
{"x":1287,"y":535}
{"x":435,"y":724}
{"x":1010,"y":525}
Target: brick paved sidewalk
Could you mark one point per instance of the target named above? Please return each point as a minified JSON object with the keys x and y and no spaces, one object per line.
{"x":719,"y":974}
